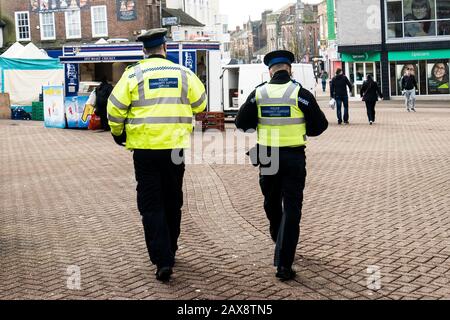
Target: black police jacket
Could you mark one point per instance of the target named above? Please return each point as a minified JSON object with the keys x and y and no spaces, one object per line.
{"x":316,"y":122}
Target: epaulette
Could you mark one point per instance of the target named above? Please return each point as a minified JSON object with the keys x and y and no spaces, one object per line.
{"x":132,"y":65}
{"x":260,"y":85}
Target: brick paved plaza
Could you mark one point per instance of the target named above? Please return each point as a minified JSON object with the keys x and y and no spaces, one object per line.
{"x":377,"y":197}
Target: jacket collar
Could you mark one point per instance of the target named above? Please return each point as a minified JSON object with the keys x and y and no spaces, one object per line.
{"x":280,"y":77}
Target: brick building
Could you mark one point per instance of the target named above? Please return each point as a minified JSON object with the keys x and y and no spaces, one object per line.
{"x":53,"y":23}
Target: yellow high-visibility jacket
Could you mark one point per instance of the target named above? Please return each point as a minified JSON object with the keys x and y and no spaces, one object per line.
{"x":281,"y":123}
{"x":154,"y":102}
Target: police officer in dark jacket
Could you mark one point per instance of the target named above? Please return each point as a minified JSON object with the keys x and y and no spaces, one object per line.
{"x":284,"y":113}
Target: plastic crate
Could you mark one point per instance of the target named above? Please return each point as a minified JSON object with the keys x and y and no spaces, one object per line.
{"x":37,"y":112}
{"x":220,"y":127}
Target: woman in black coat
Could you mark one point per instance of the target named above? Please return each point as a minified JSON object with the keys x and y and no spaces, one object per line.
{"x":370,"y":91}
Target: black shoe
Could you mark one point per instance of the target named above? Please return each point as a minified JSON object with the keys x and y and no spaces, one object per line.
{"x":285,"y":274}
{"x":163,"y":274}
{"x":339,"y":122}
{"x":346,"y":122}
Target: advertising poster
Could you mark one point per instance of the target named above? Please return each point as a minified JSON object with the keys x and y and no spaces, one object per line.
{"x":78,"y":113}
{"x":54,"y":107}
{"x":438,"y":78}
{"x":126,"y":10}
{"x":190,"y":60}
{"x":72,"y":83}
{"x":417,"y":16}
{"x":43,"y":6}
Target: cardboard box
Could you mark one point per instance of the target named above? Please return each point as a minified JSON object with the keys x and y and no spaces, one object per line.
{"x":5,"y":106}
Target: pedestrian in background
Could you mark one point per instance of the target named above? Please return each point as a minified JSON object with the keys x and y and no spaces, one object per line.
{"x":338,"y":91}
{"x":324,"y":78}
{"x":370,"y":91}
{"x":102,"y":93}
{"x":284,"y":113}
{"x":151,"y":110}
{"x":409,"y":87}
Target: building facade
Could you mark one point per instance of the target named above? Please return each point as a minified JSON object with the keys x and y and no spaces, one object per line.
{"x":53,"y":23}
{"x":328,"y":51}
{"x":395,"y":35}
{"x":206,"y":12}
{"x":242,"y":44}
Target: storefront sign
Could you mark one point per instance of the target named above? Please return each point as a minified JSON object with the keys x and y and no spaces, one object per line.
{"x":365,"y":56}
{"x":98,"y":59}
{"x":170,"y":21}
{"x":44,"y":6}
{"x":54,"y":107}
{"x":126,"y":10}
{"x":419,"y":55}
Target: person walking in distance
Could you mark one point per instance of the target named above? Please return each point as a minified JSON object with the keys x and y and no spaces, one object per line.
{"x":283,"y":113}
{"x":338,"y":91}
{"x":370,"y":91}
{"x":150,"y":112}
{"x":409,"y":87}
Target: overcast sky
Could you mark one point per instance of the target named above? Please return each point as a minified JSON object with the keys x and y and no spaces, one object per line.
{"x":238,"y":11}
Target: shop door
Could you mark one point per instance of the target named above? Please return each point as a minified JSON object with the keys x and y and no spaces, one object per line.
{"x":358,"y":74}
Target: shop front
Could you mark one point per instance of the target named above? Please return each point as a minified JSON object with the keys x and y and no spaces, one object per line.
{"x":86,"y":66}
{"x":431,"y":68}
{"x":358,"y":66}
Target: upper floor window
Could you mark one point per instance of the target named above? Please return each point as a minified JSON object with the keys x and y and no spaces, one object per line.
{"x":73,"y":24}
{"x":22,"y":26}
{"x":99,"y":21}
{"x":418,"y":18}
{"x":47,"y":26}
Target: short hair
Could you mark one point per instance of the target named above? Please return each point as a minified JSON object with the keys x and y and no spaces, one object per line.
{"x":280,"y":66}
{"x":154,"y":50}
{"x":338,"y":71}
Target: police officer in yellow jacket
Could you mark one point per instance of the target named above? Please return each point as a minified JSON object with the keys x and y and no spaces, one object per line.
{"x":150,"y":112}
{"x":284,"y":114}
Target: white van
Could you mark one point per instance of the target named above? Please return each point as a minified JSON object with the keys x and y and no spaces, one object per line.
{"x":239,"y":80}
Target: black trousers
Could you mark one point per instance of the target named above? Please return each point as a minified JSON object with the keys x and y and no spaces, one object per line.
{"x":160,"y":199}
{"x":283,"y":197}
{"x":370,"y":106}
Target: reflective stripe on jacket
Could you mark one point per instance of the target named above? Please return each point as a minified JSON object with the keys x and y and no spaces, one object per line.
{"x":281,"y":123}
{"x":155,"y":101}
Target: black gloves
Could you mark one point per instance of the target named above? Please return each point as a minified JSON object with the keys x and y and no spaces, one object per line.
{"x":122,"y":139}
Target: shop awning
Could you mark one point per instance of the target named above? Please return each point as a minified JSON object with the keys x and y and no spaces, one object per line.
{"x":363,"y":56}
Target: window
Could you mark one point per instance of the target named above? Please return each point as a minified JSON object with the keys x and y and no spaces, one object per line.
{"x":417,"y":18}
{"x":22,"y":26}
{"x":73,"y":24}
{"x":432,"y":76}
{"x":47,"y":26}
{"x":99,"y":21}
{"x":438,"y":76}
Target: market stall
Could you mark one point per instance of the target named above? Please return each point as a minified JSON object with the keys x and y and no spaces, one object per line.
{"x":23,"y":72}
{"x":86,"y":65}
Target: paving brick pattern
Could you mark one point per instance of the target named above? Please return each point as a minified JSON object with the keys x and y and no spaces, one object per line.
{"x":375,"y":196}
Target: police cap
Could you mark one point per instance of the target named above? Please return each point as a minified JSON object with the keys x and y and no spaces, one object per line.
{"x":279,"y":56}
{"x":153,"y":38}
